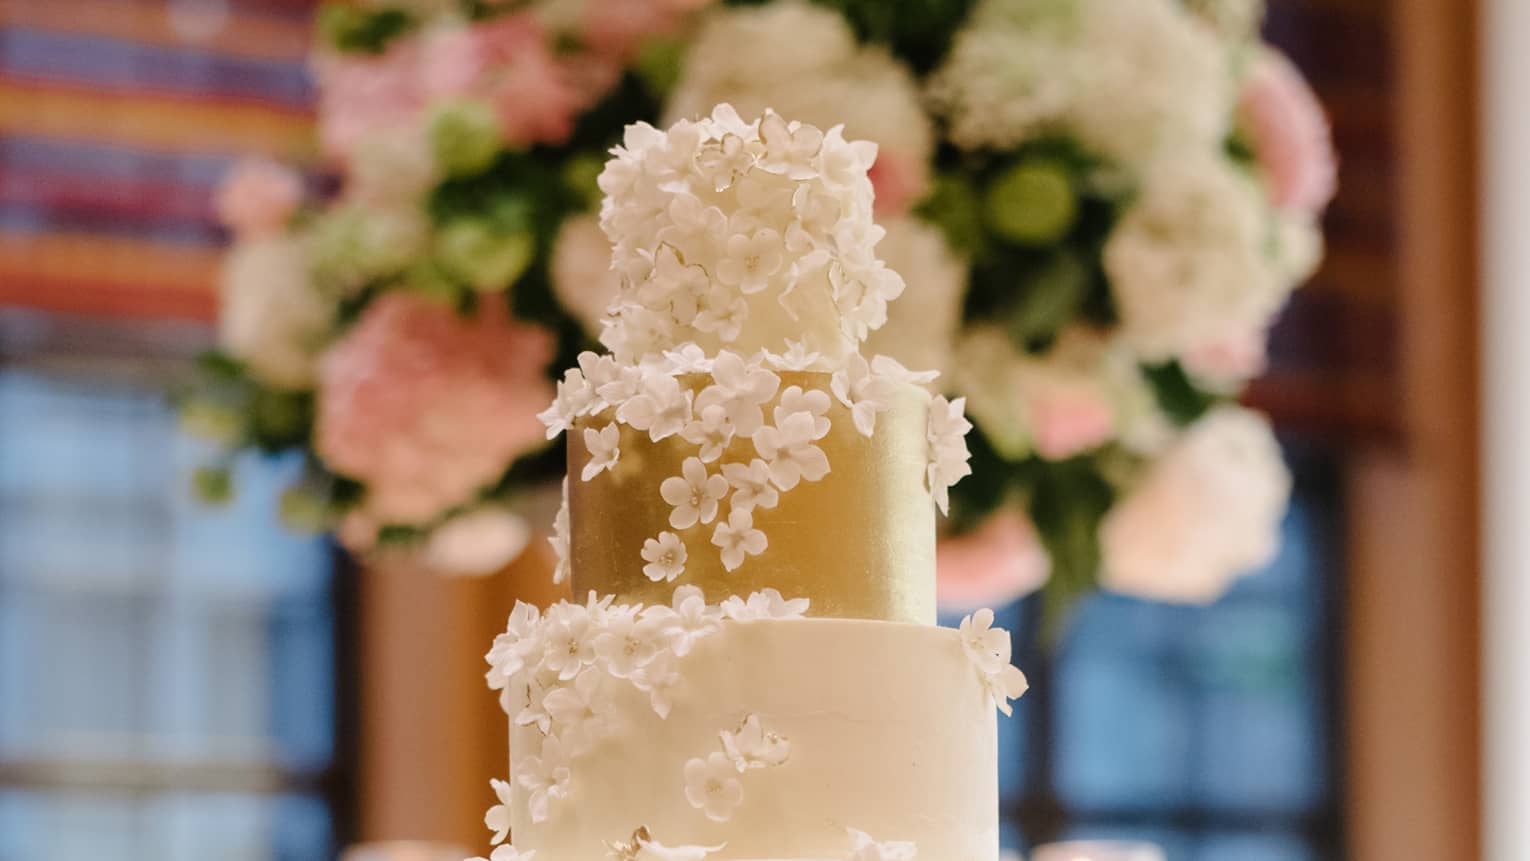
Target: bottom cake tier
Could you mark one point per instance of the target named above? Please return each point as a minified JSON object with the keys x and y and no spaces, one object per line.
{"x":771,"y":739}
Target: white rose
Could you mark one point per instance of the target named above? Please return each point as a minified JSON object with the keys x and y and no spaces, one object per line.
{"x":270,"y":317}
{"x":1207,"y":511}
{"x":581,"y":271}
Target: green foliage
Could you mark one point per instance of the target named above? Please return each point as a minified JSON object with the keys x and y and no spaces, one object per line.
{"x":280,"y":420}
{"x":482,"y":256}
{"x":213,"y":485}
{"x":658,"y":64}
{"x":1176,"y":394}
{"x":953,"y":206}
{"x":358,"y":30}
{"x":464,"y":137}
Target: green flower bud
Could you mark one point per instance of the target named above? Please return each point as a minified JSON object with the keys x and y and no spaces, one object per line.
{"x":213,"y":485}
{"x":581,"y":174}
{"x":304,"y":510}
{"x":210,"y":420}
{"x":464,"y":137}
{"x":1032,"y":203}
{"x":486,"y":260}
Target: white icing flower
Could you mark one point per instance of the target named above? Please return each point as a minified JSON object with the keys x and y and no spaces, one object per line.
{"x":658,"y":680}
{"x":751,"y":485}
{"x":866,"y":393}
{"x":740,"y":388}
{"x":712,"y":786}
{"x":688,"y":359}
{"x":789,"y":450}
{"x":751,"y":260}
{"x":662,"y":407}
{"x":575,"y":396}
{"x":988,"y":649}
{"x":711,"y":432}
{"x":690,"y":619}
{"x":644,"y":848}
{"x":629,"y":643}
{"x":813,"y":402}
{"x":604,"y":447}
{"x":796,"y":358}
{"x":570,"y":640}
{"x":947,"y":436}
{"x":751,"y":746}
{"x":694,"y":494}
{"x":560,"y":538}
{"x":737,"y":538}
{"x":665,"y":556}
{"x":520,"y":641}
{"x":533,"y":711}
{"x":580,"y":713}
{"x":864,"y":848}
{"x":764,"y":604}
{"x":545,"y":778}
{"x":497,"y":819}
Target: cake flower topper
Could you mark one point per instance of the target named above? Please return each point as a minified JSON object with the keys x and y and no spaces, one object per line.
{"x":745,"y":249}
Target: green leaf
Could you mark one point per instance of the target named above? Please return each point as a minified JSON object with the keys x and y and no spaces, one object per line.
{"x":953,"y":206}
{"x":1177,"y":395}
{"x":213,"y":485}
{"x":356,"y":30}
{"x":1048,"y":298}
{"x":281,"y":419}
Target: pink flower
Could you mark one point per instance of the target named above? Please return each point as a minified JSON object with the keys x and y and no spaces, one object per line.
{"x":992,"y":565}
{"x":1289,"y":132}
{"x":617,"y":28}
{"x":898,"y":180}
{"x":1229,"y":360}
{"x":360,"y":96}
{"x":258,"y":196}
{"x":529,"y":89}
{"x":454,"y":61}
{"x":426,"y":407}
{"x":1067,"y":420}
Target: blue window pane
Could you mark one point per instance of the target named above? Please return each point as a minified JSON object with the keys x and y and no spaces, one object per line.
{"x":1253,"y":847}
{"x":1176,"y":845}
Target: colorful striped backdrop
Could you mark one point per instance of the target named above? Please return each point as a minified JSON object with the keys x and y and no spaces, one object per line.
{"x":117,"y":118}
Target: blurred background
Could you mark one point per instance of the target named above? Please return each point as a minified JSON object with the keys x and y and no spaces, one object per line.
{"x":178,"y":682}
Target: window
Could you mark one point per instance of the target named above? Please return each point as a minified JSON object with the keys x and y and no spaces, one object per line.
{"x":167,"y":673}
{"x":1208,"y":731}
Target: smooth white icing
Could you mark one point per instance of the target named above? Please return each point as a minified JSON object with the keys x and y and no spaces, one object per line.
{"x":890,"y":730}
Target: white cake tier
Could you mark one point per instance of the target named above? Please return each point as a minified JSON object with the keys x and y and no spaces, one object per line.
{"x":884,"y":727}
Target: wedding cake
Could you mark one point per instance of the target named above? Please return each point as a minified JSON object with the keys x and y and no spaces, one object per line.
{"x":755,"y":672}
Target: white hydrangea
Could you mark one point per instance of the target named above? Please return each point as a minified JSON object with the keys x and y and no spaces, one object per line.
{"x":1128,"y":80}
{"x":477,"y":542}
{"x":270,"y":316}
{"x":922,"y":325}
{"x":803,"y":61}
{"x":1207,"y":511}
{"x":1083,"y":392}
{"x":1188,"y":262}
{"x":722,"y":221}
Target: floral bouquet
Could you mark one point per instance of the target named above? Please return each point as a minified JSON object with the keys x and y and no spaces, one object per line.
{"x":1137,"y":186}
{"x":401,"y":331}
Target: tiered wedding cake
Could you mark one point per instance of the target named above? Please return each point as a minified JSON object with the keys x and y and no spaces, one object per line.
{"x":750,"y":507}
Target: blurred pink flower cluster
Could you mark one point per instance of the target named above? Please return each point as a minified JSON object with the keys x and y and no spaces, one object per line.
{"x":508,"y":63}
{"x":427,"y":407}
{"x":258,"y":197}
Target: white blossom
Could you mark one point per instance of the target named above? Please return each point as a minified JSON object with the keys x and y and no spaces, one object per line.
{"x":545,"y":777}
{"x":497,"y":820}
{"x":665,"y":556}
{"x":271,"y":317}
{"x":580,"y":714}
{"x":569,"y":640}
{"x":737,"y":538}
{"x":812,"y":402}
{"x":689,"y":620}
{"x":712,"y":786}
{"x":508,"y":853}
{"x":643,"y":847}
{"x":694,"y":494}
{"x":796,"y":358}
{"x":604,"y":448}
{"x":764,"y":604}
{"x":864,"y":848}
{"x":710,"y":431}
{"x":865,"y":392}
{"x":662,"y":407}
{"x":508,"y":656}
{"x":560,"y":538}
{"x":947,"y":436}
{"x":740,"y":388}
{"x":988,"y":650}
{"x":751,"y":483}
{"x":477,"y":542}
{"x":752,"y":746}
{"x":789,"y":450}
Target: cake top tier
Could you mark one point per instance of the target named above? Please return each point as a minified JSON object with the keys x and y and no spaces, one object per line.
{"x":743,"y":236}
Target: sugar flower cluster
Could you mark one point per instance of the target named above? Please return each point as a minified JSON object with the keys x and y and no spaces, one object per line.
{"x":719,"y":488}
{"x":743,"y":235}
{"x":559,"y":672}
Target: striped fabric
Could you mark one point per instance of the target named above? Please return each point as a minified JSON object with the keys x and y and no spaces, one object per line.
{"x":117,"y":117}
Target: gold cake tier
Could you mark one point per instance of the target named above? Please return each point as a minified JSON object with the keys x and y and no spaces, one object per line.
{"x":859,"y":543}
